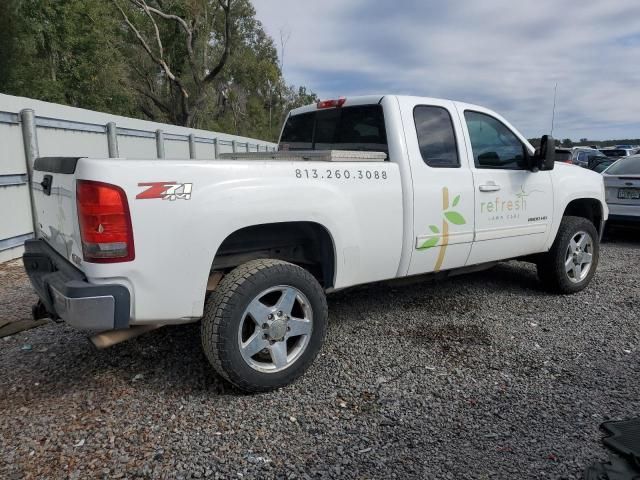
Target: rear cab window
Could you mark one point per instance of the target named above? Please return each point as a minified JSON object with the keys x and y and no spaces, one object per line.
{"x":436,"y":136}
{"x":359,"y":127}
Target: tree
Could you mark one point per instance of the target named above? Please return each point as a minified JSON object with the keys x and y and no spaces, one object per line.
{"x":64,"y":52}
{"x":189,"y":69}
{"x":85,"y":53}
{"x":567,"y":142}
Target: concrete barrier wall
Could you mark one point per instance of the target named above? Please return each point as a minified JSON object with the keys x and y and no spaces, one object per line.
{"x":30,"y":128}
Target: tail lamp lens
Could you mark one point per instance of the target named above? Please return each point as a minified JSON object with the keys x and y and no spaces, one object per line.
{"x":105,"y":222}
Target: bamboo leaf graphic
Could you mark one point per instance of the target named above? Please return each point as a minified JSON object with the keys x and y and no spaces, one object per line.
{"x":434,"y":229}
{"x":455,"y":217}
{"x":430,"y":243}
{"x":456,"y":201}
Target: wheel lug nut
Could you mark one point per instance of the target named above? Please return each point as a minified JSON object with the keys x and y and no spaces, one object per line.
{"x":270,"y":317}
{"x":288,"y":329}
{"x":279,"y":313}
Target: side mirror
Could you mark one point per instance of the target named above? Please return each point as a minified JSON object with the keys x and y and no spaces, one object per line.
{"x":545,"y":156}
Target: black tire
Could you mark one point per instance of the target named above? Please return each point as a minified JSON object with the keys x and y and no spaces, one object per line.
{"x":224,"y":311}
{"x":551,"y":265}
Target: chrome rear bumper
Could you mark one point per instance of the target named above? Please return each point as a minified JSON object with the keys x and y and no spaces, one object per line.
{"x":66,"y":294}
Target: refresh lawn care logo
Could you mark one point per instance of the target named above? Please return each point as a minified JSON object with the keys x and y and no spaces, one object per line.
{"x":506,"y":208}
{"x":165,"y":190}
{"x":497,"y":210}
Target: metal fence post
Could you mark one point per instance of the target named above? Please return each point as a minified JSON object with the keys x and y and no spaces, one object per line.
{"x":31,"y":152}
{"x":112,"y":140}
{"x":192,"y":146}
{"x":234,"y":146}
{"x":216,"y":149}
{"x":160,"y":143}
{"x":248,"y":147}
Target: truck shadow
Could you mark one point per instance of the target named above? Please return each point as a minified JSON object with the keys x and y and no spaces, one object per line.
{"x":458,"y":294}
{"x":170,"y":362}
{"x":622,"y":235}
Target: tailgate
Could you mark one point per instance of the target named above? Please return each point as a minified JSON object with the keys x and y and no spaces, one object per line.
{"x":54,"y":195}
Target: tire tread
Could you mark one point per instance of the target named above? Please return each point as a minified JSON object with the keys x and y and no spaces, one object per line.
{"x":222,"y":301}
{"x":550,"y":266}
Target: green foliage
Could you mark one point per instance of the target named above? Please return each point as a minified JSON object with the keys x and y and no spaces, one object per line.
{"x":83,"y":53}
{"x":567,"y":142}
{"x":454,"y":217}
{"x":434,"y":229}
{"x":65,"y":52}
{"x":429,"y":243}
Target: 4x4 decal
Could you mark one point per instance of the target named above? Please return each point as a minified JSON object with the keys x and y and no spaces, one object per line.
{"x":449,"y":215}
{"x":165,"y":191}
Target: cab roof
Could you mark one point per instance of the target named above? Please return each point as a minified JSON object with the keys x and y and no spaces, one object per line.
{"x":350,"y":101}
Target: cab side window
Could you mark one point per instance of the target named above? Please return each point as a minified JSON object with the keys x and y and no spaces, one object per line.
{"x":493,"y":144}
{"x":436,"y":137}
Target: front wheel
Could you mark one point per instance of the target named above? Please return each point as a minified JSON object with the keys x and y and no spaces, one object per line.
{"x":264,"y":325}
{"x":570,"y":264}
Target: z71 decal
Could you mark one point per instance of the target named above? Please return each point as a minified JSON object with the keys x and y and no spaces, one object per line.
{"x":165,"y":190}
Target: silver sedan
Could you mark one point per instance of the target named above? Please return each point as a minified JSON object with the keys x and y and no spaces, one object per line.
{"x":622,"y":186}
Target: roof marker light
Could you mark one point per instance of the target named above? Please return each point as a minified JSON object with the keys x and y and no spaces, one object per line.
{"x":331,"y":103}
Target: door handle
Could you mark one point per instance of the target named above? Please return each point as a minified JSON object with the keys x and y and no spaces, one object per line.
{"x":490,"y":187}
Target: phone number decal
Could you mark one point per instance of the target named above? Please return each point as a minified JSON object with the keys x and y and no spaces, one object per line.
{"x":340,"y":174}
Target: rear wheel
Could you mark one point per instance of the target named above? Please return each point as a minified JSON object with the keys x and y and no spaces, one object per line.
{"x":570,"y":264}
{"x":264,"y":325}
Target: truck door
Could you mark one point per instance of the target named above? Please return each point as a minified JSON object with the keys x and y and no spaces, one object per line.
{"x":514,"y":206}
{"x":442,"y":186}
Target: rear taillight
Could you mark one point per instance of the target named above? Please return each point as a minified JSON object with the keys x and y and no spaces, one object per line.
{"x":105,"y":223}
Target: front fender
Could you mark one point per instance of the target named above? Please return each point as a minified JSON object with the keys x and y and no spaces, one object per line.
{"x":571,"y":183}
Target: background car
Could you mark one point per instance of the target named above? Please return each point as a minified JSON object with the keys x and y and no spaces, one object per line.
{"x":564,"y":155}
{"x":602,"y":164}
{"x":586,"y":156}
{"x":622,"y":190}
{"x":618,"y":152}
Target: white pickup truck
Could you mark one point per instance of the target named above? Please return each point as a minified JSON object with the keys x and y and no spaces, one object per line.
{"x":361,"y":190}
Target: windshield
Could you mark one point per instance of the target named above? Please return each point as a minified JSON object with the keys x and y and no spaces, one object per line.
{"x":348,"y":128}
{"x":626,"y":166}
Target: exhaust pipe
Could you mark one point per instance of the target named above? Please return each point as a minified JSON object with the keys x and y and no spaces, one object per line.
{"x":111,"y":337}
{"x":39,"y":311}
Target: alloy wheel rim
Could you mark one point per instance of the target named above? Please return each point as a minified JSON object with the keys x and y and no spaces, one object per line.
{"x":275,"y":329}
{"x":579,"y":257}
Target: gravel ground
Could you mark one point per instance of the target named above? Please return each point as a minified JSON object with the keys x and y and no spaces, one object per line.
{"x":482,"y":376}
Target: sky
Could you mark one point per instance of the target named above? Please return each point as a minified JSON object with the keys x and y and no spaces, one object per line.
{"x":506,"y":55}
